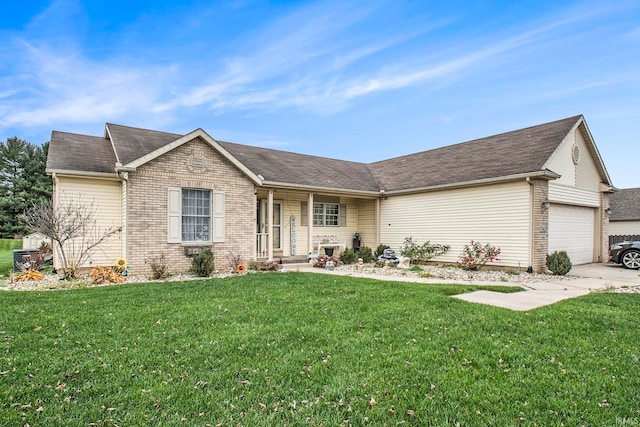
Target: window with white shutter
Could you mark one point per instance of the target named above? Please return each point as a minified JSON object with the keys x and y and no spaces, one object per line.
{"x":195,"y":215}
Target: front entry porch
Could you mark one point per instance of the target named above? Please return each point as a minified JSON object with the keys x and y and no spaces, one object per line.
{"x":292,"y":224}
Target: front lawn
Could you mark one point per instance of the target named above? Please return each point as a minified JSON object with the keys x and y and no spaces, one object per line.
{"x":306,"y":349}
{"x":6,"y":255}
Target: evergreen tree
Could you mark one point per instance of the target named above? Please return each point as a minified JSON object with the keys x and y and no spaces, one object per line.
{"x":23,"y":181}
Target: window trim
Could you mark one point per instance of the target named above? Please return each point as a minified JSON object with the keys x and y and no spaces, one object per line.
{"x":325,"y":215}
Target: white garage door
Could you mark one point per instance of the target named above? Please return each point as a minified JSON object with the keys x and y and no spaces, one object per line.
{"x":571,"y":230}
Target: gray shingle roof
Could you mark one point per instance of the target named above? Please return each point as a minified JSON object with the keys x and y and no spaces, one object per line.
{"x":518,"y":152}
{"x":300,"y":169}
{"x":132,"y":143}
{"x":625,"y":204}
{"x":512,"y":153}
{"x":81,"y":153}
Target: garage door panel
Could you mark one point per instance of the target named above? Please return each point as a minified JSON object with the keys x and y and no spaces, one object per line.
{"x":571,"y":230}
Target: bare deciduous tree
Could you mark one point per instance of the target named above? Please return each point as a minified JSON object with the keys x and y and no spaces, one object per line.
{"x":73,"y":229}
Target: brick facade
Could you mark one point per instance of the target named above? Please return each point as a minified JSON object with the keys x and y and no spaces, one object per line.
{"x":192,"y":165}
{"x":540,"y":224}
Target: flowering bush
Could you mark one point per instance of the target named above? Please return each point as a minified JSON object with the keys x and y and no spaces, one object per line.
{"x":474,"y":255}
{"x":420,"y":254}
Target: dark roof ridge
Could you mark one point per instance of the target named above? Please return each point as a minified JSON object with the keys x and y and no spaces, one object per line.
{"x":275,"y":150}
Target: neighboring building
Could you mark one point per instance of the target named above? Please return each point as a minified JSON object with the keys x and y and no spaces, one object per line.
{"x":530,"y":192}
{"x":35,"y":241}
{"x":625,"y":213}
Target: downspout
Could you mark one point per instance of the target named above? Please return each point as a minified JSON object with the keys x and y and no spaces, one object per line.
{"x":54,"y":204}
{"x":531,"y":221}
{"x":124,"y":176}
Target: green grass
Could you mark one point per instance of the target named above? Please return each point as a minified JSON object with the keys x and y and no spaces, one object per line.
{"x":305,"y":349}
{"x":6,"y":255}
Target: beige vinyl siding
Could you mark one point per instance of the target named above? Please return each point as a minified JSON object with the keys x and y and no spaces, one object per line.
{"x":587,"y":175}
{"x":106,"y":197}
{"x":573,"y":196}
{"x":496,"y":214}
{"x":367,"y":223}
{"x":560,"y":162}
{"x":623,"y":228}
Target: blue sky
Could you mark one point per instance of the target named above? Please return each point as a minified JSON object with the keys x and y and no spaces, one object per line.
{"x":361,"y":81}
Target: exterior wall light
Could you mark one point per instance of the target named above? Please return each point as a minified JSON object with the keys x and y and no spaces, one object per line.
{"x":545,"y":204}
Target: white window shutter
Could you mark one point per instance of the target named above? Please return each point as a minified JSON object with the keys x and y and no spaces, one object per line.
{"x":343,"y":215}
{"x":304,"y":214}
{"x":218,"y":217}
{"x":174,"y":215}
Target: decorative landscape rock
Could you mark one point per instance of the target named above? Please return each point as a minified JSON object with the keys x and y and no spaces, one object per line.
{"x":404,"y":262}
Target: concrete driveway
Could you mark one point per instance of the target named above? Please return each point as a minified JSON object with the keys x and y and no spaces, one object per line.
{"x":612,"y":273}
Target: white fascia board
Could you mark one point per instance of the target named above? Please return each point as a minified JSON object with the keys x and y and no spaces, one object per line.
{"x":83,"y":174}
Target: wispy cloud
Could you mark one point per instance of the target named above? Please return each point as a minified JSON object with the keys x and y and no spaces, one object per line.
{"x":69,"y":87}
{"x":308,"y":59}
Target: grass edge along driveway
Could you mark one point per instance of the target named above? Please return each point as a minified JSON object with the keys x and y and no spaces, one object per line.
{"x":307,"y":349}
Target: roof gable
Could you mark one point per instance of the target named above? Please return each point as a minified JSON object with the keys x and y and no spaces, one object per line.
{"x":587,"y":170}
{"x":198,"y":133}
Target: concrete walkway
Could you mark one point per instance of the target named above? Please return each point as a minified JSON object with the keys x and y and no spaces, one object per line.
{"x":585,"y":278}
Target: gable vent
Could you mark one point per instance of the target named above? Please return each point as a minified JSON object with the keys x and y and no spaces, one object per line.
{"x":197,"y":164}
{"x":575,"y":154}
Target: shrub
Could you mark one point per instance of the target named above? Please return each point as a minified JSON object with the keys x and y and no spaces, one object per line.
{"x":254,"y":265}
{"x":559,"y":263}
{"x":366,"y":254}
{"x":202,"y":264}
{"x":349,"y":256}
{"x":159,"y":267}
{"x":100,"y":275}
{"x":475,"y":255}
{"x":380,"y":250}
{"x":420,"y":254}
